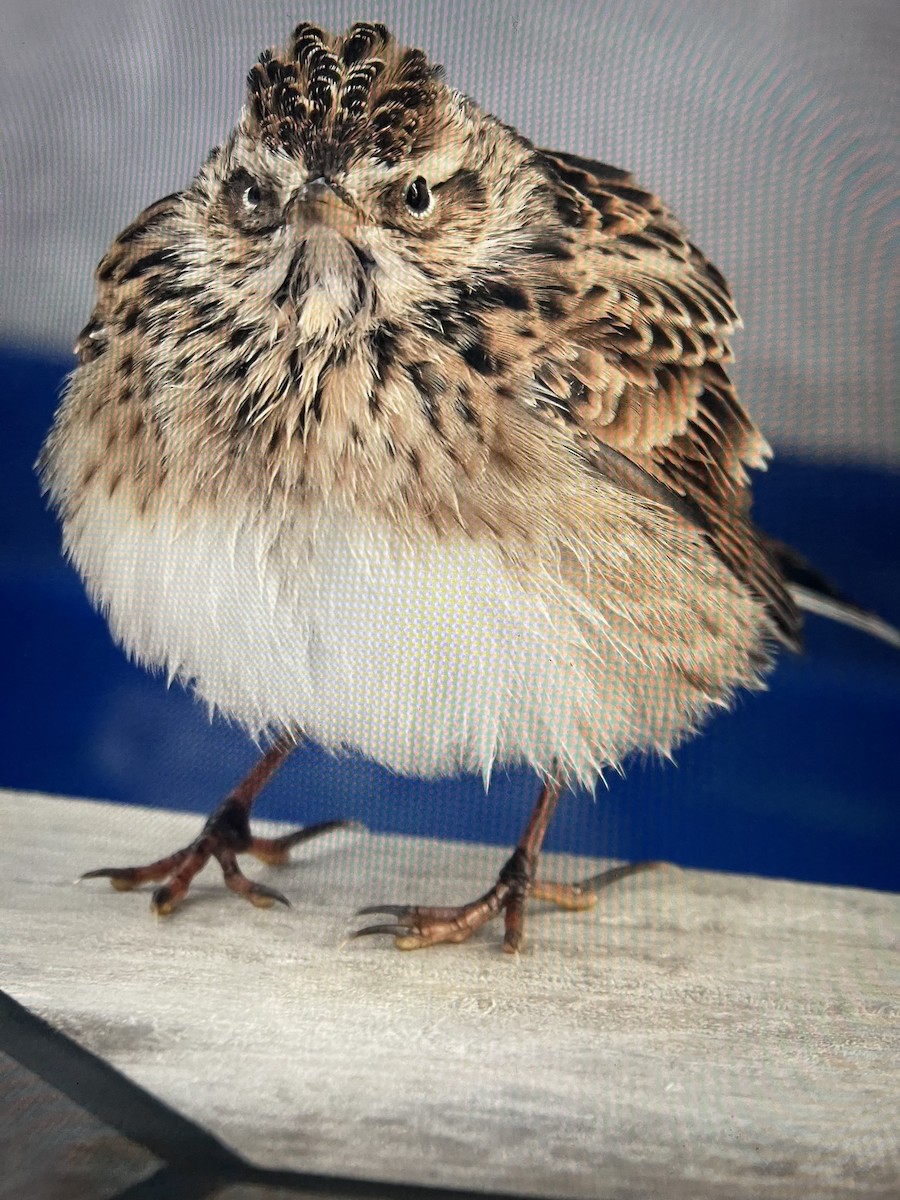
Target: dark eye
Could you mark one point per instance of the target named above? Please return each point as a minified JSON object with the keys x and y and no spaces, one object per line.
{"x":418,"y":197}
{"x":253,"y":203}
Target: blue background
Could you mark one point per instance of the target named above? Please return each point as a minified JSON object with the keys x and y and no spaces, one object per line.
{"x":799,"y":782}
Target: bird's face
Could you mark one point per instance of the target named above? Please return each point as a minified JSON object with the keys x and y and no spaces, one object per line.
{"x":337,"y":248}
{"x":357,"y":188}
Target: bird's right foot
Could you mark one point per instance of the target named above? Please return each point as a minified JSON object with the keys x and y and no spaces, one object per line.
{"x":225,"y":835}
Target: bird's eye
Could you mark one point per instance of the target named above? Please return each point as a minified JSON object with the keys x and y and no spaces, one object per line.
{"x":418,"y":197}
{"x":252,"y":203}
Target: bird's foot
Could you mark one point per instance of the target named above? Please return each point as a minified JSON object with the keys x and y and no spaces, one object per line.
{"x":225,"y":835}
{"x":416,"y":926}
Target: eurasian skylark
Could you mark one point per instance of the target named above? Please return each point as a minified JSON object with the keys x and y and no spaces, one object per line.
{"x":395,"y":432}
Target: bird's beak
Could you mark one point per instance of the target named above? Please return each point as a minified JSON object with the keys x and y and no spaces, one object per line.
{"x":319,"y":203}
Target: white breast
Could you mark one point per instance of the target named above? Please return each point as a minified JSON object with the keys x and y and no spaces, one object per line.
{"x":427,"y":656}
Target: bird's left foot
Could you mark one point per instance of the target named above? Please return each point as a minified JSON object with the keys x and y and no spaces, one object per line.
{"x":415,"y":926}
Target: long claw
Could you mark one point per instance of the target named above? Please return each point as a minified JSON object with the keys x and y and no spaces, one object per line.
{"x":121,"y":878}
{"x":124,"y":879}
{"x":614,"y":874}
{"x":327,"y":826}
{"x":394,"y":930}
{"x":265,"y":897}
{"x":274,"y":851}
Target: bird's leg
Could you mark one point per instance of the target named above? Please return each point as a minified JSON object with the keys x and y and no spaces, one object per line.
{"x":415,"y":926}
{"x":225,"y":835}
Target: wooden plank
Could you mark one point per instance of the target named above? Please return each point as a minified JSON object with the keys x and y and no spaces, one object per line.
{"x":696,"y":1035}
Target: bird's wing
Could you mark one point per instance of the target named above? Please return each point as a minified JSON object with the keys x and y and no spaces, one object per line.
{"x":640,"y":371}
{"x":141,"y":249}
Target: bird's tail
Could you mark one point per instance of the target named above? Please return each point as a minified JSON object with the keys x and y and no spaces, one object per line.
{"x":816,"y":594}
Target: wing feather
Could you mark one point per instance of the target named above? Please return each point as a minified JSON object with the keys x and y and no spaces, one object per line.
{"x":639,"y":367}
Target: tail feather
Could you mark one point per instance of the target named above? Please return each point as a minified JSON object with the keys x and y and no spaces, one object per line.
{"x":846,"y":612}
{"x":814,"y":593}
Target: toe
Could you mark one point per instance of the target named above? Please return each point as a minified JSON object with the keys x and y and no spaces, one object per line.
{"x":264,"y":897}
{"x":164,"y":900}
{"x":415,"y":927}
{"x":123,"y":879}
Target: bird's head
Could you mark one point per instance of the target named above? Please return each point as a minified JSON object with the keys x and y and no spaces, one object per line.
{"x":358,"y":186}
{"x":366,"y":237}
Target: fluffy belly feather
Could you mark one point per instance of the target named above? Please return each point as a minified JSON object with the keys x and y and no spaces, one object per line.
{"x":427,"y":656}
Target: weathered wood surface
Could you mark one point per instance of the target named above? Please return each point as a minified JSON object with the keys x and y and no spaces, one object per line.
{"x":696,"y":1035}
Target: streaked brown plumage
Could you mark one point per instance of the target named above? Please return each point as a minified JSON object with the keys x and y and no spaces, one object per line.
{"x":397,"y":432}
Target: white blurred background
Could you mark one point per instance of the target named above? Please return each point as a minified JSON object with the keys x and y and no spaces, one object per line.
{"x":770,"y":128}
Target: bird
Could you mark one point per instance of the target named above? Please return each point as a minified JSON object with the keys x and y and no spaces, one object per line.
{"x":396,"y":432}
